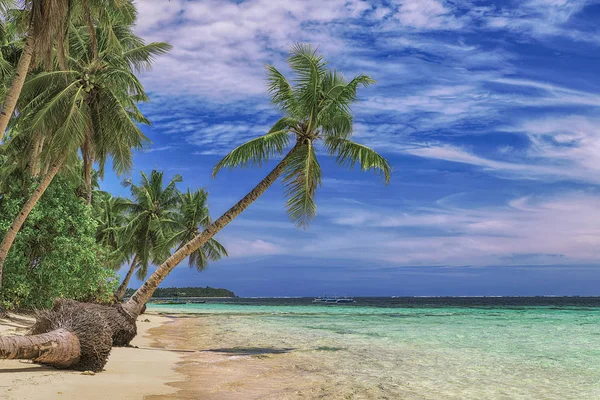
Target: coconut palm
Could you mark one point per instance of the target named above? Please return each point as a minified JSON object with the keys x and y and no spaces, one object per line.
{"x":47,"y":22}
{"x":72,"y":106}
{"x":46,"y":25}
{"x":110,"y":214}
{"x":154,"y":214}
{"x":316,"y":109}
{"x":194,"y":215}
{"x":121,"y":51}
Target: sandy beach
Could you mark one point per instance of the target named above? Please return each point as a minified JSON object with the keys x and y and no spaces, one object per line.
{"x":131,"y":373}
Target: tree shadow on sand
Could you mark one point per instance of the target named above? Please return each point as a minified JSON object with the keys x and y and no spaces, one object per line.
{"x":250,"y":351}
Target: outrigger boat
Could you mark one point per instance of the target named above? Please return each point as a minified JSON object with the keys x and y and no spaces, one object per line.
{"x":334,"y":300}
{"x":179,"y":301}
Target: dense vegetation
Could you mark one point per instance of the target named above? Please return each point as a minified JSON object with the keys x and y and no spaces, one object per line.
{"x":188,"y":292}
{"x":75,"y":108}
{"x":55,"y":253}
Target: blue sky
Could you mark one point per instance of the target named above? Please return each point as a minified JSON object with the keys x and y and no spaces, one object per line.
{"x":488,"y":110}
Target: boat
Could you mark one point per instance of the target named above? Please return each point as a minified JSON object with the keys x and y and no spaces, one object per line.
{"x":170,"y":301}
{"x":334,"y":300}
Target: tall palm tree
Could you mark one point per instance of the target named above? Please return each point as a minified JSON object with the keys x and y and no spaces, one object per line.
{"x":73,"y":105}
{"x":46,"y":25}
{"x":315,"y":110}
{"x":153,"y":212}
{"x":47,"y":22}
{"x":194,"y":215}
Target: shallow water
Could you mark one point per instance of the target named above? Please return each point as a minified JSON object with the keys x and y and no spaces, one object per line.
{"x":417,"y":351}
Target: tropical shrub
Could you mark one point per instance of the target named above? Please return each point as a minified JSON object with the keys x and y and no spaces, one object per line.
{"x":55,"y":253}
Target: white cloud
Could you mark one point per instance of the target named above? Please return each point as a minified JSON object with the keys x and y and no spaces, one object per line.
{"x":237,"y":248}
{"x":221,"y":47}
{"x":427,"y":14}
{"x":562,"y":230}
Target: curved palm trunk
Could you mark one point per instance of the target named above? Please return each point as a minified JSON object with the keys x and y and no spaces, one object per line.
{"x":19,"y":220}
{"x":17,"y":84}
{"x":59,"y":348}
{"x":120,"y":293}
{"x":134,"y":305}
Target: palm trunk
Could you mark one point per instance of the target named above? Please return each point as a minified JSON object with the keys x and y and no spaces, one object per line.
{"x":17,"y":84}
{"x":120,"y":293}
{"x":18,"y":222}
{"x":92,"y":29}
{"x":134,"y":305}
{"x":35,"y":155}
{"x":86,"y":152}
{"x":59,"y":348}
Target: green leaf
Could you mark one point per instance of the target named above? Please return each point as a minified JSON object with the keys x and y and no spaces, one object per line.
{"x":301,"y":178}
{"x":349,"y":153}
{"x":258,"y":151}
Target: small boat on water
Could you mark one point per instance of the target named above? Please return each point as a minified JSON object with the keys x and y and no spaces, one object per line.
{"x":333,"y":300}
{"x":179,"y":301}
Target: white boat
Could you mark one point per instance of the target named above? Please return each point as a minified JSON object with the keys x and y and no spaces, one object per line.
{"x":333,"y":300}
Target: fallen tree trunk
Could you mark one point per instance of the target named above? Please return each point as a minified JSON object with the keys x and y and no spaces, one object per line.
{"x":73,"y":338}
{"x":122,"y":326}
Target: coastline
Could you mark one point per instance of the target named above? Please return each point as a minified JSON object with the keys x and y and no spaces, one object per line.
{"x":131,"y":373}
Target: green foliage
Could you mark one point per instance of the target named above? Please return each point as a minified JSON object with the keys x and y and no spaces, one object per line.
{"x":188,"y":292}
{"x":193,"y":215}
{"x":161,"y":218}
{"x":316,"y":108}
{"x":55,"y":253}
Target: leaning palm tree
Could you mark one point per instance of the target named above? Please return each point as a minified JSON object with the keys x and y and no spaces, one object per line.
{"x":70,"y":104}
{"x":316,"y":109}
{"x":194,"y":215}
{"x":153,"y":212}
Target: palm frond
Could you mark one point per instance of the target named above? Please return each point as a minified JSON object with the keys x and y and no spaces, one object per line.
{"x":257,"y":151}
{"x":349,"y":153}
{"x":281,"y":91}
{"x":309,"y":67}
{"x":142,"y":57}
{"x":301,"y":178}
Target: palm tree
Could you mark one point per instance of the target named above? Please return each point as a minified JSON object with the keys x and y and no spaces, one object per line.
{"x":194,"y":215}
{"x":73,"y":104}
{"x":154,"y":215}
{"x":47,"y":22}
{"x":110,"y":215}
{"x":315,"y":110}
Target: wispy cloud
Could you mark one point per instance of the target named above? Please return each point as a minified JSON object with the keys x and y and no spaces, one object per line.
{"x":523,"y":227}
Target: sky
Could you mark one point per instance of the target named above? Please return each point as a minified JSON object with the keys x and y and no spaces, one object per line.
{"x":488,"y":111}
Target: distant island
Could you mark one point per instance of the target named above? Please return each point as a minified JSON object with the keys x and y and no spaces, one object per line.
{"x":188,"y":292}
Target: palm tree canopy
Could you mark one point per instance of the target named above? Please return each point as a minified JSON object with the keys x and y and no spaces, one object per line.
{"x":94,"y":98}
{"x":153,"y":219}
{"x":316,"y":109}
{"x":194,"y":216}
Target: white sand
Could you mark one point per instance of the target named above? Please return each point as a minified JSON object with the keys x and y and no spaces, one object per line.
{"x":129,"y":374}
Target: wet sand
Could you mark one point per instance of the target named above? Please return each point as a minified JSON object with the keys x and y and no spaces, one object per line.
{"x":222,"y":365}
{"x":131,"y":373}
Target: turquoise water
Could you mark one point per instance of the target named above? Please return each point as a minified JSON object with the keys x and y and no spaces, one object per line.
{"x":420,"y":352}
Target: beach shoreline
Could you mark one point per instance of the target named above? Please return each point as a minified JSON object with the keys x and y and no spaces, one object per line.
{"x":131,"y":373}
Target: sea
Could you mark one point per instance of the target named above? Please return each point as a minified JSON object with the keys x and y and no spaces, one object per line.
{"x":404,"y":347}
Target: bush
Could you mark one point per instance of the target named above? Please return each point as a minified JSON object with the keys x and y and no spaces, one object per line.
{"x":55,"y":254}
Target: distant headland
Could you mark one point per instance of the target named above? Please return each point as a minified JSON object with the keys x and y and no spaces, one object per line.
{"x":188,"y":292}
